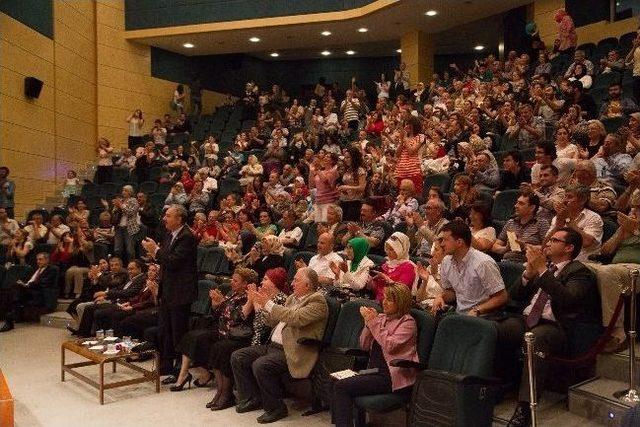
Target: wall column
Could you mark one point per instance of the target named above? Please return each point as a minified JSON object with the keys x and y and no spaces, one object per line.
{"x":418,"y":51}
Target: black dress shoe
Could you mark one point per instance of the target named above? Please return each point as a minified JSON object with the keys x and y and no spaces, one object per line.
{"x":314,"y":410}
{"x":223,"y":402}
{"x":273,"y":416}
{"x":248,"y":406}
{"x":7,"y":326}
{"x":169,"y":380}
{"x":521,"y":416}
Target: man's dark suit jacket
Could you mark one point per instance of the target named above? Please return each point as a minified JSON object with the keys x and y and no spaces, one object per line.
{"x":47,"y":278}
{"x":178,"y":269}
{"x":574,"y":294}
{"x":124,"y":292}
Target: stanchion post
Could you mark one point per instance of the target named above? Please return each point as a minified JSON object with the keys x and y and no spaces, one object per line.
{"x":631,"y":396}
{"x":530,"y":339}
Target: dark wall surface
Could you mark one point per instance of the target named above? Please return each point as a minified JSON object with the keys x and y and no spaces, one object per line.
{"x":166,"y":13}
{"x":35,"y":14}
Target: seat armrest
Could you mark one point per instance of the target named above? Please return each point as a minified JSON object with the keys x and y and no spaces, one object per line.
{"x":405,"y":363}
{"x":357,"y":352}
{"x":466,"y":379}
{"x":310,"y":341}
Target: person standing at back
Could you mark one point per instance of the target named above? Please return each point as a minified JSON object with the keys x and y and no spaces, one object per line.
{"x":178,"y":283}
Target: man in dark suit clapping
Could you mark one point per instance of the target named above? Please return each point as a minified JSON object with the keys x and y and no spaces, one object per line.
{"x":32,"y":292}
{"x":560,"y":294}
{"x":178,"y":283}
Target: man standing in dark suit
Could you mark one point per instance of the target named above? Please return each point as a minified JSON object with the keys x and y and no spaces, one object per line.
{"x":178,"y":284}
{"x":31,"y":292}
{"x":561,"y":294}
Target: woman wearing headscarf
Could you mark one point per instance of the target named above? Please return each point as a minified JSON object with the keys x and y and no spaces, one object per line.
{"x":397,"y":268}
{"x":353,"y":275}
{"x":197,"y":345}
{"x":274,"y":283}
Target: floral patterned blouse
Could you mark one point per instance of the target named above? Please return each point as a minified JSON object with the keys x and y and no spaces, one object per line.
{"x":230,"y":314}
{"x":261,"y":331}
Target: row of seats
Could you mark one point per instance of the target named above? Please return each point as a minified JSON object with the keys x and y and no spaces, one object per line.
{"x":459,"y":352}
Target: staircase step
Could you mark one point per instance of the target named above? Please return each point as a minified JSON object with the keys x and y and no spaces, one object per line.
{"x":57,"y":319}
{"x":616,"y":366}
{"x":63,"y":304}
{"x":593,"y":399}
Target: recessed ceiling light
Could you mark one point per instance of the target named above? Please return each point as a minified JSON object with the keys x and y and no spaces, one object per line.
{"x":398,"y":50}
{"x":254,"y":39}
{"x":274,"y":54}
{"x":188,"y":45}
{"x":326,"y":33}
{"x":350,"y":52}
{"x":479,"y":47}
{"x":431,"y":13}
{"x":325,"y":53}
{"x":363,"y":30}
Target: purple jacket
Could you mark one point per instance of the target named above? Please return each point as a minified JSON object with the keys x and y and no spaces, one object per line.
{"x":398,"y":338}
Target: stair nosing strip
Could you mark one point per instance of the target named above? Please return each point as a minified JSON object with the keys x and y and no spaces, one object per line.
{"x":574,"y":389}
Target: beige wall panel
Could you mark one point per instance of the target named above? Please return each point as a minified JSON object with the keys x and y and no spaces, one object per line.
{"x":71,"y":84}
{"x":117,"y":136}
{"x":116,"y":117}
{"x":110,"y":16}
{"x":12,"y":84}
{"x":74,"y":42}
{"x":75,"y":22}
{"x":119,"y":98}
{"x":25,"y":62}
{"x":124,"y":60}
{"x":69,"y":127}
{"x":26,"y":114}
{"x":79,"y":152}
{"x":112,"y":77}
{"x":114,"y":4}
{"x":20,"y":138}
{"x":108,"y":36}
{"x":26,"y":165}
{"x":75,"y":64}
{"x":22,"y":36}
{"x":542,"y":6}
{"x":69,"y":105}
{"x":86,"y":8}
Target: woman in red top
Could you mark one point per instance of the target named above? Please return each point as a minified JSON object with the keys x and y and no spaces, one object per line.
{"x":398,"y":268}
{"x":187,"y":181}
{"x":375,"y":124}
{"x":408,"y":165}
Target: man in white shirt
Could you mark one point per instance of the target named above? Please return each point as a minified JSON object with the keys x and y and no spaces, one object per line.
{"x":471,"y":279}
{"x":321,"y":263}
{"x":55,"y":229}
{"x":8,"y":227}
{"x":36,"y":229}
{"x":291,"y":234}
{"x":572,"y":213}
{"x":560,"y":293}
{"x":257,"y":369}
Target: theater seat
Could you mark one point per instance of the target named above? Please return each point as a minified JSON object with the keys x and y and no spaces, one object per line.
{"x":388,"y":402}
{"x":457,"y":388}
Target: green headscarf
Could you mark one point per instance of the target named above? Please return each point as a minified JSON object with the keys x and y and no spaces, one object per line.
{"x":360,"y":247}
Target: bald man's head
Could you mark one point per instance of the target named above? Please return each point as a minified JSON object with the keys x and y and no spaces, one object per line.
{"x":325,"y":243}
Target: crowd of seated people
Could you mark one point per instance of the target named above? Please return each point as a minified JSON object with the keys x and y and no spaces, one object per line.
{"x":418,"y":197}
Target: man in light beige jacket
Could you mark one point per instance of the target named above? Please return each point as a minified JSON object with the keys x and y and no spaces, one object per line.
{"x":258,"y":369}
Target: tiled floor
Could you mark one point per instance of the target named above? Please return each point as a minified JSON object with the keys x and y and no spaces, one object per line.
{"x":30,"y":359}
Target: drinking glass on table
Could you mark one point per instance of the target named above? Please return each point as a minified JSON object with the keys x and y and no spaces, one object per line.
{"x":100,"y":334}
{"x":109,"y":333}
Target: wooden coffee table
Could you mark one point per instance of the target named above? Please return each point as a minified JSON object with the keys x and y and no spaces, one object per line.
{"x":96,"y":358}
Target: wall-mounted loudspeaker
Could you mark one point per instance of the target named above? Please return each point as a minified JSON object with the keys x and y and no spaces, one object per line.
{"x":32,"y":87}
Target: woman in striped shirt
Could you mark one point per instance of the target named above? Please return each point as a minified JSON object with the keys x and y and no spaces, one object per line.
{"x":324,"y":176}
{"x":408,"y":165}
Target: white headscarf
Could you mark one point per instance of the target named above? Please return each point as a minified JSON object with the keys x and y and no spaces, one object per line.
{"x":400,"y":244}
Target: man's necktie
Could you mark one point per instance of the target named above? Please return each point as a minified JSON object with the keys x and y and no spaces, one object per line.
{"x":538,"y":307}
